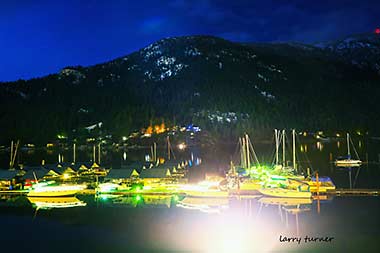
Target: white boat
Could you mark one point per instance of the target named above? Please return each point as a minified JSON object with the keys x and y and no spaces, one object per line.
{"x":285,"y":193}
{"x":54,"y":202}
{"x":50,"y":190}
{"x":348,"y":161}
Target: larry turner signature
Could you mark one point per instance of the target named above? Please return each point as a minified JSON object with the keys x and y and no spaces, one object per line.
{"x":305,"y":239}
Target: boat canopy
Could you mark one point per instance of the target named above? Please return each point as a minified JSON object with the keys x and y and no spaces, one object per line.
{"x":344,"y":157}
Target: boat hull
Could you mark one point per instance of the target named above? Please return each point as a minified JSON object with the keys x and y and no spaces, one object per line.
{"x":53,"y":194}
{"x":55,"y":191}
{"x":348,"y":163}
{"x":284,"y":193}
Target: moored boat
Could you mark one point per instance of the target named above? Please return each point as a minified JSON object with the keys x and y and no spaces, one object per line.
{"x":50,"y":189}
{"x":324,"y":184}
{"x":347,"y":161}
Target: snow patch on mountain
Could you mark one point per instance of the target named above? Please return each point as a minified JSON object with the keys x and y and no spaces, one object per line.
{"x":263,"y":77}
{"x":152,"y":50}
{"x":361,"y":50}
{"x":165,"y":67}
{"x":82,"y":110}
{"x":265,"y":94}
{"x":71,"y":72}
{"x":165,"y":60}
{"x":192,"y":51}
{"x":222,"y":117}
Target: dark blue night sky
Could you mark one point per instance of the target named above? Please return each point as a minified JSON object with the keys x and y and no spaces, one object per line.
{"x":42,"y":36}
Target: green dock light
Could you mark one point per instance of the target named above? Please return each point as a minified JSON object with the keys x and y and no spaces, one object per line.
{"x":138,"y":197}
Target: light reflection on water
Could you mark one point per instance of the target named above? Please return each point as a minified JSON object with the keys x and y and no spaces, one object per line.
{"x":234,"y":224}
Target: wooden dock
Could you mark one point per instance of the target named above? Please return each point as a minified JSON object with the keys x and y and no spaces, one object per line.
{"x":356,"y":192}
{"x":337,"y":192}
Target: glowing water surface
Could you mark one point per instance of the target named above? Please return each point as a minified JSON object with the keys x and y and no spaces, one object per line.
{"x":176,"y":224}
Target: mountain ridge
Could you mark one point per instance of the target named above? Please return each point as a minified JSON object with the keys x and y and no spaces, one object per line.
{"x":195,"y":79}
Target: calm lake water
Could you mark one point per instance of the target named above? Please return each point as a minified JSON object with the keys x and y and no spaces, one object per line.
{"x":166,"y":224}
{"x":348,"y":224}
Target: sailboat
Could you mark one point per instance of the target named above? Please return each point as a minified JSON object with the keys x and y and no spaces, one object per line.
{"x":292,"y":171}
{"x":294,"y":187}
{"x":244,"y":182}
{"x":347,"y":161}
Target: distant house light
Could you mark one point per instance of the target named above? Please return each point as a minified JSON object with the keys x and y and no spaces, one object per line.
{"x":181,"y":146}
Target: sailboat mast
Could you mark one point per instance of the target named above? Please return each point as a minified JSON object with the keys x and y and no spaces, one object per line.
{"x":276,"y":140}
{"x":241,"y":151}
{"x":294,"y":149}
{"x":11,"y":158}
{"x":94,"y":153}
{"x":151,"y":154}
{"x":283,"y":148}
{"x":348,"y":144}
{"x":168,"y":142}
{"x":74,"y":152}
{"x":14,"y":154}
{"x":155,"y":151}
{"x":99,"y":153}
{"x":247,"y":148}
{"x":244,"y":153}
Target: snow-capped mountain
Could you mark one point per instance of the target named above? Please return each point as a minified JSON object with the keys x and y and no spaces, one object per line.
{"x":203,"y":78}
{"x":362,"y":50}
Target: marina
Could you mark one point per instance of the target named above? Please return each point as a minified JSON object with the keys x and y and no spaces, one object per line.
{"x":155,"y":176}
{"x":167,"y":217}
